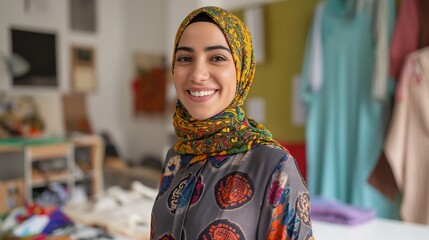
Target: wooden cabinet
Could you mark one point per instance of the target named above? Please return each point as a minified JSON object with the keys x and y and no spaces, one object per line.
{"x":41,"y":164}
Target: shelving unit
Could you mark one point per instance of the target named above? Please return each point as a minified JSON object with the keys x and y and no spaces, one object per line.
{"x":62,"y":151}
{"x":96,"y":146}
{"x":28,"y":157}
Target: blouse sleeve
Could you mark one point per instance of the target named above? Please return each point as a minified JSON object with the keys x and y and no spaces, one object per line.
{"x":285,"y":212}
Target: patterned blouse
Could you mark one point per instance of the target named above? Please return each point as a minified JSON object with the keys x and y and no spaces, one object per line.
{"x":259,"y":194}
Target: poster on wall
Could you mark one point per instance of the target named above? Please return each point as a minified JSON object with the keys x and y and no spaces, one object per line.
{"x":83,"y":70}
{"x":39,"y":50}
{"x":83,"y":15}
{"x":149,"y":84}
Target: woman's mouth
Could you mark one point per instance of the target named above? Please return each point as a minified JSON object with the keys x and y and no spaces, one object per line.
{"x":201,"y":93}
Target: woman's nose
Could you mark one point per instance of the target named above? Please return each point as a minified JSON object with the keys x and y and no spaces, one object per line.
{"x":199,"y":72}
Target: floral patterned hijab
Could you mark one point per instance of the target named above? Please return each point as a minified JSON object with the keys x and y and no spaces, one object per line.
{"x":230,"y":131}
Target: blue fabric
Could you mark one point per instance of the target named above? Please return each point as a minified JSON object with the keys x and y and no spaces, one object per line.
{"x":56,"y":220}
{"x":344,"y":132}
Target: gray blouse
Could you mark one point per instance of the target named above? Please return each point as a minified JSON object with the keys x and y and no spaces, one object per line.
{"x":259,"y":194}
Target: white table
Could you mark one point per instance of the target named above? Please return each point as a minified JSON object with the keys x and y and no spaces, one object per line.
{"x":376,"y":229}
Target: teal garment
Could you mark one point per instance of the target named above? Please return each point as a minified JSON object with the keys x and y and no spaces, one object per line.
{"x":344,"y":131}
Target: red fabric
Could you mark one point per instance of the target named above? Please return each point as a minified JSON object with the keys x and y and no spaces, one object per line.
{"x":405,"y":36}
{"x":424,"y":23}
{"x":298,"y":152}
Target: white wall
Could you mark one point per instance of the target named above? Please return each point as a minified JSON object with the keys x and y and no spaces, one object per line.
{"x":46,"y":18}
{"x":104,"y":104}
{"x":144,"y":26}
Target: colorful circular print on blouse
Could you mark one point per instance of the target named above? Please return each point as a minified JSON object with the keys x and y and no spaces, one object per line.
{"x":198,"y":191}
{"x":222,"y":229}
{"x":170,"y":170}
{"x":172,"y":166}
{"x":173,"y":198}
{"x":234,"y":190}
{"x":303,"y":208}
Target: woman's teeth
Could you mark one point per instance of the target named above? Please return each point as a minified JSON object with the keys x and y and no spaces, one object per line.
{"x":202,"y":93}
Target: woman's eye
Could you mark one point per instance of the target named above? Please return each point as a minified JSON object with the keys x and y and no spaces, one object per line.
{"x":218,"y":58}
{"x":184,"y":59}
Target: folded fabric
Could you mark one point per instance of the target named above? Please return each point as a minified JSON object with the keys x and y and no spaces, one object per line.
{"x":32,"y":226}
{"x":330,"y":210}
{"x":12,"y":219}
{"x":56,"y":220}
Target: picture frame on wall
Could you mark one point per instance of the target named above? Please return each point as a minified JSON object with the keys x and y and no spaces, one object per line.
{"x":83,"y":69}
{"x":83,"y":15}
{"x":149,"y":84}
{"x":39,"y":50}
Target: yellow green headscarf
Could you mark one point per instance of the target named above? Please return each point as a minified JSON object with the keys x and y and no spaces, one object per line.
{"x":230,"y":131}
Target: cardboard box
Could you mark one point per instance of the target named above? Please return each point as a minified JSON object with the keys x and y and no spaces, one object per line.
{"x":12,"y":194}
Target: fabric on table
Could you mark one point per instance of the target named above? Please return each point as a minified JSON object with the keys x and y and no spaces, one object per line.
{"x":330,"y":210}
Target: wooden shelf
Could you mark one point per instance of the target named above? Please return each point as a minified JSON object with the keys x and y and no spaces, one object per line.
{"x":40,"y":180}
{"x":46,"y":152}
{"x":5,"y":149}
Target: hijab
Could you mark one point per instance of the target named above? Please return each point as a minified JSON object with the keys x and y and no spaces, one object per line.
{"x":229,"y":131}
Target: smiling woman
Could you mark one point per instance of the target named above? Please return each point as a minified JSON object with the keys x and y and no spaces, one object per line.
{"x":204,"y":71}
{"x":225,"y":178}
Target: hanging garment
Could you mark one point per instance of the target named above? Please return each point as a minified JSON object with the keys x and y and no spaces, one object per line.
{"x":424,"y":23}
{"x":316,"y":50}
{"x":411,"y":33}
{"x":383,"y":31}
{"x":405,"y":36}
{"x":407,"y":143}
{"x":344,"y":125}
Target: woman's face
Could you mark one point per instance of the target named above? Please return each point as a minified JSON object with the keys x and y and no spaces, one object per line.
{"x":204,"y":71}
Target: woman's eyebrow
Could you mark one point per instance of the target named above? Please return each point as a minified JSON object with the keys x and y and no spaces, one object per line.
{"x":216,"y":47}
{"x":210,"y":48}
{"x":188,"y":49}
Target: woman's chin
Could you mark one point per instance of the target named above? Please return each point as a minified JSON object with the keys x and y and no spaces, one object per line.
{"x":202,"y":115}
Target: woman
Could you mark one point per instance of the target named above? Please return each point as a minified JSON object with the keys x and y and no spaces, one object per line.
{"x":225,"y":178}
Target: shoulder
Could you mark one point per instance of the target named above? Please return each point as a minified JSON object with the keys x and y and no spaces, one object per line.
{"x":170,"y":153}
{"x":271,"y":161}
{"x":283,"y":165}
{"x":269,"y":152}
{"x":272,"y":155}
